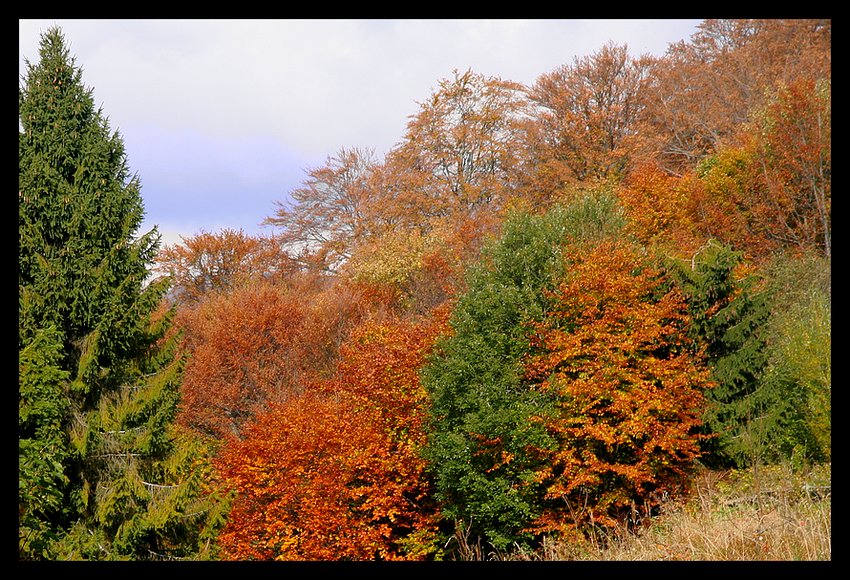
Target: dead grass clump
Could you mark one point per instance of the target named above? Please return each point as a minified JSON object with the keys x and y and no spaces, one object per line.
{"x":766,"y":513}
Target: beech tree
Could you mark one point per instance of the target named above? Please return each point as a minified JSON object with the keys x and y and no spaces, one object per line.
{"x":768,"y":189}
{"x":220,"y":261}
{"x":588,"y":118}
{"x":461,"y":150}
{"x":442,"y":189}
{"x":615,"y":352}
{"x":336,"y":472}
{"x":242,"y":349}
{"x":263,"y":342}
{"x":659,"y":210}
{"x":306,"y":475}
{"x":792,"y":135}
{"x":704,"y":87}
{"x":324,"y":220}
{"x":99,"y":373}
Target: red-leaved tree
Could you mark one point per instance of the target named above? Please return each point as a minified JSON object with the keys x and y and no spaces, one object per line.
{"x":241,"y":346}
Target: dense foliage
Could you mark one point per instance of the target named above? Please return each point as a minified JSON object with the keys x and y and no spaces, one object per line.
{"x":531,"y":321}
{"x":336,"y":473}
{"x":484,"y":410}
{"x":614,"y":352}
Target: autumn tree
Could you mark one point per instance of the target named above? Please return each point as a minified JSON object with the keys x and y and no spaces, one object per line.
{"x":218,"y":261}
{"x":335,"y":474}
{"x":242,"y":354}
{"x":613,"y":351}
{"x":379,"y":368}
{"x":441,"y":190}
{"x":704,"y":87}
{"x":323,"y":220}
{"x":262,"y":342}
{"x":483,"y":411}
{"x":460,"y":153}
{"x":659,"y":210}
{"x":98,"y":368}
{"x":306,"y":476}
{"x":586,"y":124}
{"x":793,"y":142}
{"x":768,"y":188}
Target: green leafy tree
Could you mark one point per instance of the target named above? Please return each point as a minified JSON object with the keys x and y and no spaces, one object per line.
{"x":99,"y":374}
{"x":799,"y":371}
{"x":483,"y":409}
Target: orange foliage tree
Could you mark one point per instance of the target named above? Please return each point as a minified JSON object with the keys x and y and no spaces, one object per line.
{"x":241,"y":347}
{"x":613,"y":351}
{"x":219,"y":261}
{"x":705,"y":87}
{"x":441,"y":190}
{"x":311,"y":481}
{"x":657,"y":207}
{"x":768,"y":188}
{"x":460,"y":159}
{"x":379,"y":366}
{"x":262,"y":342}
{"x":792,"y":136}
{"x":587,"y":115}
{"x":336,"y":473}
{"x":462,"y":147}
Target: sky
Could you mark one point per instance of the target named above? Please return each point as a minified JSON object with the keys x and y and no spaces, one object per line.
{"x":221,"y":118}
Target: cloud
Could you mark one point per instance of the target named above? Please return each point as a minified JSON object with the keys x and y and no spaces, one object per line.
{"x":222,"y":117}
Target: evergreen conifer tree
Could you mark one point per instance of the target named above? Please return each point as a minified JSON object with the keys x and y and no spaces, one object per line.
{"x":728,"y":317}
{"x":102,"y":472}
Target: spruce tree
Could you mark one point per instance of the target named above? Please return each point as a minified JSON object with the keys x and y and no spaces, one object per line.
{"x":729,"y":314}
{"x":102,"y":472}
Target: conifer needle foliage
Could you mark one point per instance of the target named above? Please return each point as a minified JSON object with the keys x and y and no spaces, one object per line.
{"x":102,"y":473}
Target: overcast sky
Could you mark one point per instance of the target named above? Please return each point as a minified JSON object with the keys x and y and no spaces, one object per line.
{"x":221,"y":118}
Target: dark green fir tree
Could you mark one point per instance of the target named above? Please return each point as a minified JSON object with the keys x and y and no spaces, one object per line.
{"x":103,"y":472}
{"x":729,"y":317}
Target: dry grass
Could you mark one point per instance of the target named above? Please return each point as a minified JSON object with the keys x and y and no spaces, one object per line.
{"x":768,"y":513}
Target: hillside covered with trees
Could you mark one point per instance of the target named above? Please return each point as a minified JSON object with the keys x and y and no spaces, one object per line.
{"x":547,"y":310}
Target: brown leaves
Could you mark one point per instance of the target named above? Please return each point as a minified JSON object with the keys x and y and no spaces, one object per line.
{"x":208,"y":262}
{"x":314,"y":482}
{"x":703,"y":89}
{"x":242,"y":345}
{"x":588,"y":116}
